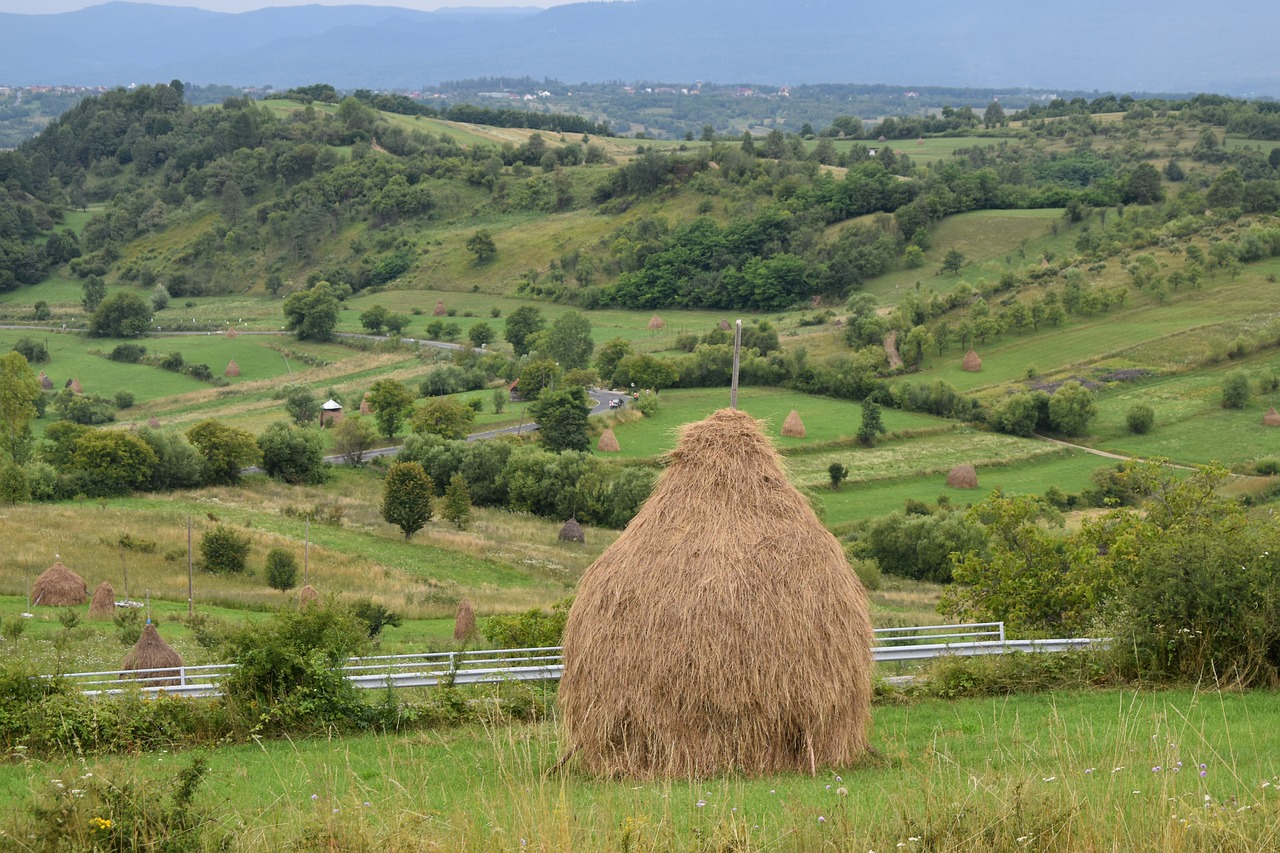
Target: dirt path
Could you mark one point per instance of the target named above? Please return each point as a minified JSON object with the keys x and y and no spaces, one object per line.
{"x":891,"y":350}
{"x":1107,"y":454}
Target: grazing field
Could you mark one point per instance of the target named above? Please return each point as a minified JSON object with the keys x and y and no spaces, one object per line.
{"x":1100,"y":770}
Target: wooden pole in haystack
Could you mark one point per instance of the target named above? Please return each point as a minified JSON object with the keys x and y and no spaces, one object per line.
{"x":191,"y":606}
{"x":737,"y":359}
{"x":124,"y":567}
{"x":306,"y":552}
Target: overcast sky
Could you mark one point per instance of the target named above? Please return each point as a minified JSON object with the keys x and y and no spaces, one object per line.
{"x":33,"y":7}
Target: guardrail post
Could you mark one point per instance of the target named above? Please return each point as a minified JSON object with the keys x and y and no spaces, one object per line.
{"x":1002,"y":633}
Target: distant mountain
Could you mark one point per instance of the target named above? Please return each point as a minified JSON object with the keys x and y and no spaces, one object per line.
{"x":1137,"y":45}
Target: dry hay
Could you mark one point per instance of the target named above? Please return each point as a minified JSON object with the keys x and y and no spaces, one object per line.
{"x":963,"y":477}
{"x":232,"y":333}
{"x":233,"y":369}
{"x":103,"y":606}
{"x":656,"y":323}
{"x":725,"y":326}
{"x":153,"y":422}
{"x":440,"y":310}
{"x":572,"y":532}
{"x":59,"y":587}
{"x":793,"y":427}
{"x":308,"y":595}
{"x":1271,"y":418}
{"x":45,"y":382}
{"x":723,"y":630}
{"x":365,"y":408}
{"x":152,"y":652}
{"x":464,"y":621}
{"x":608,"y":442}
{"x":76,"y":387}
{"x":971,"y":362}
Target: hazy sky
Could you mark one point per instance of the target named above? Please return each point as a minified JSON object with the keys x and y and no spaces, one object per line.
{"x":32,"y":7}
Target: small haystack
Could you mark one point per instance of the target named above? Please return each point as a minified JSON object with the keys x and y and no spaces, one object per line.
{"x":971,"y":362}
{"x":793,"y":427}
{"x":1271,"y":418}
{"x":59,"y":587}
{"x":608,"y":442}
{"x":365,"y":408}
{"x":308,"y":595}
{"x":723,"y":630}
{"x":103,"y":606}
{"x":232,"y":333}
{"x":233,"y":369}
{"x":45,"y":382}
{"x":76,"y":387}
{"x":572,"y":532}
{"x":153,"y":422}
{"x":725,"y":325}
{"x":440,"y":311}
{"x":963,"y":477}
{"x":657,"y":324}
{"x":151,"y":652}
{"x":464,"y":621}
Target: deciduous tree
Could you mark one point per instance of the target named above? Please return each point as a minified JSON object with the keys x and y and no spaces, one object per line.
{"x":406,"y":497}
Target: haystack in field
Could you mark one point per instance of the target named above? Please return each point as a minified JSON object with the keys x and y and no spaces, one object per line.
{"x":657,"y":324}
{"x":464,"y":621}
{"x":1271,"y":418}
{"x":233,"y":369}
{"x":725,"y":325}
{"x":608,"y":442}
{"x":152,"y":652}
{"x":963,"y":477}
{"x":45,"y":382}
{"x":793,"y":427}
{"x":440,"y":309}
{"x":59,"y":587}
{"x":76,"y":387}
{"x":572,"y":532}
{"x":723,"y":630}
{"x":153,"y":422}
{"x":365,"y":408}
{"x":232,"y":333}
{"x":971,"y":362}
{"x":308,"y":595}
{"x":102,"y":608}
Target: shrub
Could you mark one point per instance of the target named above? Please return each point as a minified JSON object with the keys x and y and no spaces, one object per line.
{"x":124,"y":399}
{"x":34,"y":351}
{"x":224,"y":551}
{"x":532,"y":629}
{"x":1235,"y":390}
{"x":128,"y":353}
{"x":282,"y":569}
{"x":375,"y":617}
{"x":1140,"y":418}
{"x":1267,"y":467}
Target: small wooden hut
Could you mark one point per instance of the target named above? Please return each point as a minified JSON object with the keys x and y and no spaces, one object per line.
{"x":572,"y":532}
{"x":963,"y":477}
{"x":59,"y":587}
{"x":464,"y":621}
{"x":971,"y":362}
{"x":793,"y":427}
{"x":151,"y":652}
{"x":608,"y":442}
{"x":723,"y":630}
{"x":233,"y":369}
{"x":103,"y":606}
{"x":1271,"y":418}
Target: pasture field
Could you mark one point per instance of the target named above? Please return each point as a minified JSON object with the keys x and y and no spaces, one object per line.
{"x":1099,"y":770}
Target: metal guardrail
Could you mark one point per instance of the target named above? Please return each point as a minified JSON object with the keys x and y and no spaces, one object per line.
{"x":545,"y":664}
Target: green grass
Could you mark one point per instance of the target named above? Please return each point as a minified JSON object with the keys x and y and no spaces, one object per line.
{"x":1113,"y":770}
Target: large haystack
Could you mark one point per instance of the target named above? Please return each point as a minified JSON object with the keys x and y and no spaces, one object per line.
{"x":308,"y":595}
{"x":656,"y":323}
{"x":152,"y":652}
{"x":233,"y":369}
{"x":723,"y":630}
{"x":464,"y":621}
{"x":59,"y":587}
{"x":440,"y":309}
{"x":572,"y":532}
{"x":1271,"y":418}
{"x":45,"y":382}
{"x":793,"y":427}
{"x":963,"y":477}
{"x":608,"y":442}
{"x":103,"y":606}
{"x":971,"y":362}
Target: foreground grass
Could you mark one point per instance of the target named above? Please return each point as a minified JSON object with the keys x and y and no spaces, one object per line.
{"x":1103,"y":770}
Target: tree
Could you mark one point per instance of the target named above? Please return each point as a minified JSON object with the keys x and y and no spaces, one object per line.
{"x":953,"y":261}
{"x":1235,"y":390}
{"x":457,"y":502}
{"x":1071,"y":408}
{"x":282,"y":569}
{"x":499,"y":400}
{"x":645,"y":371}
{"x":537,"y":375}
{"x":224,"y":551}
{"x":121,"y":315}
{"x":301,"y":404}
{"x":111,"y":462}
{"x":568,"y":341}
{"x":19,"y":391}
{"x":523,"y":323}
{"x":352,"y":438}
{"x":374,"y":319}
{"x":838,"y":474}
{"x":481,"y":335}
{"x":406,"y":497}
{"x":482,"y":246}
{"x":562,"y":419}
{"x":391,"y":403}
{"x":93,"y":291}
{"x":872,"y":424}
{"x":608,"y":356}
{"x":993,"y":116}
{"x":445,"y":417}
{"x":1140,"y":418}
{"x":312,"y":314}
{"x":292,"y":454}
{"x":1143,"y":185}
{"x":225,"y":450}
{"x":159,"y":297}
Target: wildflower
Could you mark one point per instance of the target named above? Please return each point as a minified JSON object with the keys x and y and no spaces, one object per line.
{"x":101,"y":823}
{"x":315,"y":797}
{"x":842,"y":791}
{"x":1118,"y":769}
{"x":1202,"y":767}
{"x":1155,"y":769}
{"x":701,"y":803}
{"x":838,"y":779}
{"x":366,"y":804}
{"x":828,"y":787}
{"x":1204,"y":773}
{"x":1089,"y":770}
{"x":821,"y":819}
{"x":335,"y":811}
{"x":1048,"y":778}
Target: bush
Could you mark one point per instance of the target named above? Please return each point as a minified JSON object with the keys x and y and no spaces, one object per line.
{"x":128,"y":353}
{"x":124,"y":399}
{"x":1235,"y":390}
{"x":532,"y":629}
{"x":1140,"y":418}
{"x":282,"y":569}
{"x":224,"y":551}
{"x":34,"y":351}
